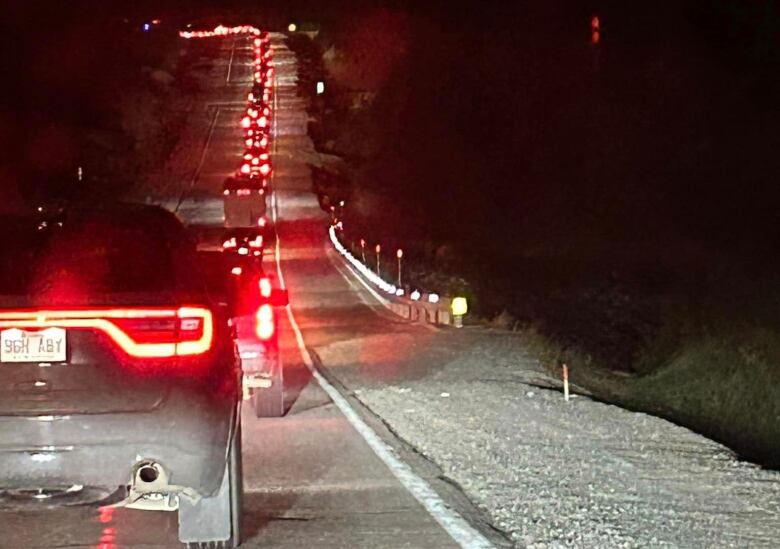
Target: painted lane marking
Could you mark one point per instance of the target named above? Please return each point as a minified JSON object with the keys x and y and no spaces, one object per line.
{"x":451,"y":521}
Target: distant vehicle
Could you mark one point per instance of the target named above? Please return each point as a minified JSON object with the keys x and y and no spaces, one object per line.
{"x":244,"y":200}
{"x":118,"y":370}
{"x":257,"y":145}
{"x":248,"y":241}
{"x":257,"y":165}
{"x":252,"y":303}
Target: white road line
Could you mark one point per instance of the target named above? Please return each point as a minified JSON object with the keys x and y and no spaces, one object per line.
{"x":359,"y":278}
{"x":196,"y":174}
{"x":230,"y":63}
{"x":353,"y":287}
{"x":382,"y":300}
{"x":455,"y":525}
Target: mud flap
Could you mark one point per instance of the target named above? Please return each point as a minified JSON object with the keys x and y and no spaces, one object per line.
{"x":210,"y":518}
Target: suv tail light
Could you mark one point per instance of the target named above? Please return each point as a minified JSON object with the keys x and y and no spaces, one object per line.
{"x":265,"y":287}
{"x":264,"y":325}
{"x":139,"y":332}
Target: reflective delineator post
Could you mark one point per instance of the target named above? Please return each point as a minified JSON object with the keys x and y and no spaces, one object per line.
{"x":565,"y":382}
{"x":363,"y":249}
{"x":399,"y":254}
{"x":378,"y":249}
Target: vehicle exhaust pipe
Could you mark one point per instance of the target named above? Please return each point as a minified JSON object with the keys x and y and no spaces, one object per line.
{"x":148,"y":473}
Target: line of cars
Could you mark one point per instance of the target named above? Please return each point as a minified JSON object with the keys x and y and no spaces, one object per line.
{"x":245,"y":193}
{"x":126,"y":354}
{"x":245,"y":203}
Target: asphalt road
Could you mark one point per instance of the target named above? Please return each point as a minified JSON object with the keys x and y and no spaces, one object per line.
{"x":311,"y":479}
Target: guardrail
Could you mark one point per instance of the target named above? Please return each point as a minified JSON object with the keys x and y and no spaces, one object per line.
{"x":430,"y":308}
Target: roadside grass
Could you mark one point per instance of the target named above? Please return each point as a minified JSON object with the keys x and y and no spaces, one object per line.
{"x":725,"y":386}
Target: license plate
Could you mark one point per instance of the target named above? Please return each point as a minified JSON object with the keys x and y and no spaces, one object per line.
{"x":32,"y":346}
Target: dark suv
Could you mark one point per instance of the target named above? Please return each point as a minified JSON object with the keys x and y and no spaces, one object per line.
{"x":117,"y":368}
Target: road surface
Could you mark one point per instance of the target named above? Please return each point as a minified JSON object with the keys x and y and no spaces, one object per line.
{"x":311,"y":479}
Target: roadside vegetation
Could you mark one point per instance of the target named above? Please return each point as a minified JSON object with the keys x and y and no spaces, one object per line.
{"x":612,"y":203}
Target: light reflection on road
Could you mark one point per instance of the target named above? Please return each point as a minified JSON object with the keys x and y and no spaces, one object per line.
{"x":108,"y":535}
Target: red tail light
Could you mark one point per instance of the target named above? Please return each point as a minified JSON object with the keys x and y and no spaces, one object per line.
{"x":264,"y":325}
{"x":245,"y":168}
{"x":265,"y":169}
{"x":141,"y":333}
{"x":265,"y":287}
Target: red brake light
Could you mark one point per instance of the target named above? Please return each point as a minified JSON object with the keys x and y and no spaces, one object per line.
{"x":265,"y":169}
{"x":245,"y":168}
{"x":264,"y":325}
{"x":265,"y":287}
{"x":141,"y":333}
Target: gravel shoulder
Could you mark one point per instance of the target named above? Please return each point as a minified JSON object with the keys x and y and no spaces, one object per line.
{"x":551,"y":473}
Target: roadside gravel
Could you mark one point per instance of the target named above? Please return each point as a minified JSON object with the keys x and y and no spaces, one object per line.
{"x":577,"y":474}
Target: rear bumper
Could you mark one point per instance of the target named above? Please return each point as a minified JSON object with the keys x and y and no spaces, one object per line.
{"x":258,"y":358}
{"x":188,"y":435}
{"x":244,"y":211}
